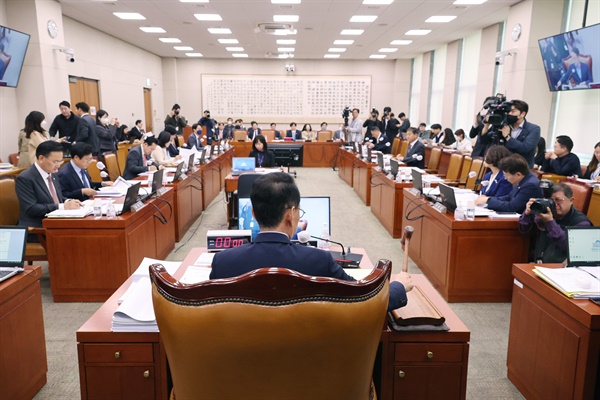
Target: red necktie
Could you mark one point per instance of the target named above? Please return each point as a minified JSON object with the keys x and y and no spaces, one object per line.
{"x":52,"y":190}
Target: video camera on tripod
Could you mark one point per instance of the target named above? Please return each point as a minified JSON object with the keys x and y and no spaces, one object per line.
{"x":346,"y":115}
{"x":497,"y":110}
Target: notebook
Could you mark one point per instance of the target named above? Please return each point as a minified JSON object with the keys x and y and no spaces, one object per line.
{"x":240,"y":165}
{"x":13,"y":240}
{"x":583,"y":246}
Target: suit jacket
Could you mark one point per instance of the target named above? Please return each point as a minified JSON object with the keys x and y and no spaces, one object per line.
{"x":253,"y":132}
{"x":418,"y":149}
{"x":586,"y":75}
{"x":482,"y":143}
{"x":498,"y":187}
{"x":526,"y":143}
{"x":135,"y":163}
{"x":405,"y":125}
{"x":172,"y":150}
{"x":271,"y":249}
{"x":296,"y":134}
{"x":86,"y":132}
{"x":228,"y":132}
{"x":383,"y":144}
{"x":35,"y":200}
{"x":135,"y":133}
{"x":339,"y":135}
{"x":268,"y":159}
{"x":71,"y":183}
{"x":193,"y":141}
{"x":278,"y":135}
{"x":516,"y":200}
{"x":567,"y":165}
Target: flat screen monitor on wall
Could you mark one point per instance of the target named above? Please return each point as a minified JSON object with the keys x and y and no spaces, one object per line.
{"x":572,"y":59}
{"x":13,"y":46}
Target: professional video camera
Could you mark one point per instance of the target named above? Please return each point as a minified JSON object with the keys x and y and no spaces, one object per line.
{"x":539,"y":206}
{"x":387,"y":111}
{"x":497,"y":108}
{"x":346,"y":115}
{"x":374,"y":113}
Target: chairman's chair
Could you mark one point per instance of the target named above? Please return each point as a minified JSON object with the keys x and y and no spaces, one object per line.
{"x":324,"y":136}
{"x":271,"y":334}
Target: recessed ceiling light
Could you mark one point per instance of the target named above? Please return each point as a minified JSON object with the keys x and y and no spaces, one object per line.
{"x":381,"y":2}
{"x":377,"y":56}
{"x":352,"y":32}
{"x":441,"y":18}
{"x":331,"y":56}
{"x":234,"y":48}
{"x":169,"y":40}
{"x":183,"y":48}
{"x":208,"y":17}
{"x":343,"y":42}
{"x":400,"y":42}
{"x":194,"y":1}
{"x":285,"y":55}
{"x":285,"y":1}
{"x":363,"y":18}
{"x":388,"y":50}
{"x":240,"y":55}
{"x":286,"y":41}
{"x":285,"y":32}
{"x":285,"y":18}
{"x":465,"y":2}
{"x":336,"y":50}
{"x":286,"y":49}
{"x":127,"y":15}
{"x":418,"y":32}
{"x":220,"y":31}
{"x":228,"y":41}
{"x":193,"y":54}
{"x":152,"y":29}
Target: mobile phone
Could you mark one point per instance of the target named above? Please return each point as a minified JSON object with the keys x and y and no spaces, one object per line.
{"x":595,"y":300}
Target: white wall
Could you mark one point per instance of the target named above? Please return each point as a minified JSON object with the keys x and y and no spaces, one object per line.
{"x":10,"y":124}
{"x":469,"y":100}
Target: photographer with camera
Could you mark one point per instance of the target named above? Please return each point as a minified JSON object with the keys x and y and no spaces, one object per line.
{"x":354,"y":128}
{"x":551,"y":217}
{"x":370,"y":123}
{"x":209,"y":123}
{"x":176,"y":120}
{"x":390,"y":123}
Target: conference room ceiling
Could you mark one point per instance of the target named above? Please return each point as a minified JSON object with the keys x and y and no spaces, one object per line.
{"x":320,"y":24}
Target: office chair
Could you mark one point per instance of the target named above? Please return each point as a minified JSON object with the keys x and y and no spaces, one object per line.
{"x":112,"y":165}
{"x":434,"y":160}
{"x":582,"y":195}
{"x":271,"y":333}
{"x":324,"y":136}
{"x":395,"y":146}
{"x":453,"y":172}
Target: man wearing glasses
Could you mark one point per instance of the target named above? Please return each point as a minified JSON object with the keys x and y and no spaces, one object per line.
{"x":275,"y":204}
{"x":550,"y":227}
{"x":39,"y":190}
{"x":75,"y":180}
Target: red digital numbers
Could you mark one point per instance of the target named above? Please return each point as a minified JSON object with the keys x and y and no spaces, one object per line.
{"x":227,"y":242}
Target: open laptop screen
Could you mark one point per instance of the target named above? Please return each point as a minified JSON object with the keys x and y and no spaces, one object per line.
{"x":243,"y":164}
{"x":583,"y":245}
{"x":13,"y":240}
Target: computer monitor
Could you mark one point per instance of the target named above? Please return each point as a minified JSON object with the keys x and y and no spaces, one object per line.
{"x":380,"y":161}
{"x":417,"y":179}
{"x":131,"y":197}
{"x":12,"y":55}
{"x":394,"y":166}
{"x":448,"y":197}
{"x":583,"y":246}
{"x":178,"y":172}
{"x":157,"y":180}
{"x":191,"y":161}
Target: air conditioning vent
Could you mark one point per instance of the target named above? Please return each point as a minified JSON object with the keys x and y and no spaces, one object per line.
{"x":273,"y":28}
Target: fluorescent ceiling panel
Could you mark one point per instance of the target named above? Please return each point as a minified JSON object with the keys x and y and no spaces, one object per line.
{"x":234,"y":48}
{"x":343,"y":42}
{"x":379,"y":56}
{"x":169,"y":40}
{"x":128,"y":15}
{"x":152,"y":29}
{"x":286,"y":41}
{"x":351,"y":32}
{"x":388,"y":50}
{"x":286,"y":49}
{"x":193,"y":54}
{"x":363,"y":18}
{"x":183,"y":48}
{"x":418,"y":32}
{"x":220,"y":31}
{"x":228,"y":41}
{"x":208,"y":17}
{"x":336,"y":50}
{"x":400,"y":42}
{"x":331,"y":56}
{"x":441,"y":18}
{"x":240,"y":55}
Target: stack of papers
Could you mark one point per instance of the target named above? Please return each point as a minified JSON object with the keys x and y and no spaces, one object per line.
{"x":79,"y":213}
{"x":118,"y":189}
{"x":577,"y":283}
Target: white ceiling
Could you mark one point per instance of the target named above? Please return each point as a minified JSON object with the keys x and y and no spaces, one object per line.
{"x":320,"y":23}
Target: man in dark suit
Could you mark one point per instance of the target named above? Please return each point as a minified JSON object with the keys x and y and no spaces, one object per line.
{"x":405,"y":124}
{"x":380,"y":141}
{"x":274,"y":129}
{"x":74,"y":178}
{"x":39,"y":190}
{"x":138,"y":130}
{"x":229,"y":129}
{"x":293,"y":132}
{"x":254,"y":130}
{"x":578,"y":71}
{"x":275,"y":201}
{"x":86,"y":128}
{"x":520,"y":136}
{"x":195,"y":138}
{"x":415,"y":156}
{"x":561,"y":161}
{"x":137,"y":159}
{"x":525,"y":186}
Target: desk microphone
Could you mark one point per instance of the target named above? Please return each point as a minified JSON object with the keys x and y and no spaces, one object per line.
{"x":100,"y":165}
{"x":346,"y":260}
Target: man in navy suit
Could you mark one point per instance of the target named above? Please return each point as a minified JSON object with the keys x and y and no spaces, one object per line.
{"x":75,"y":180}
{"x":195,"y":138}
{"x":380,"y":141}
{"x":415,"y":156}
{"x":254,"y":130}
{"x":86,"y":128}
{"x":293,"y":132}
{"x":137,"y":159}
{"x":578,"y":71}
{"x":275,"y":202}
{"x":39,"y":190}
{"x":525,"y":186}
{"x":274,"y":129}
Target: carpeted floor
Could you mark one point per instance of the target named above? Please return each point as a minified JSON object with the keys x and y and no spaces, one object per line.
{"x":353,"y":225}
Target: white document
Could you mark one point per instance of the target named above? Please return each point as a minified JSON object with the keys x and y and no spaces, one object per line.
{"x":136,"y":313}
{"x":205,"y":259}
{"x":358,"y":273}
{"x":143,"y":271}
{"x":78,"y":213}
{"x":573,"y":280}
{"x":195,"y":275}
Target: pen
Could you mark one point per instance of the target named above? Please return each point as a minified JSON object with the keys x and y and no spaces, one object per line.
{"x":588,"y":272}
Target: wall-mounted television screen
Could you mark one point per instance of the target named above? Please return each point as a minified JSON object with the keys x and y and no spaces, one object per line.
{"x":13,"y":46}
{"x":572,"y":59}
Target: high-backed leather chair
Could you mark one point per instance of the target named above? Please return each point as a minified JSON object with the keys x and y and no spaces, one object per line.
{"x":180,"y":140}
{"x":94,"y":172}
{"x":404,"y":148}
{"x":464,"y":170}
{"x":240,"y":135}
{"x":454,"y":167}
{"x":9,"y":215}
{"x":434,"y":160}
{"x":324,"y":136}
{"x":271,"y":334}
{"x":112,"y":165}
{"x":395,"y":146}
{"x":269,"y":134}
{"x":477,"y":167}
{"x":581,"y":195}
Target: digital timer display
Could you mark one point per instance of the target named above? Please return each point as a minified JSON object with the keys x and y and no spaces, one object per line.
{"x":220,"y":242}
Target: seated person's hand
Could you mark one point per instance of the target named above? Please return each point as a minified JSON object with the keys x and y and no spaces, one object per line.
{"x":107,"y":183}
{"x":88,"y":191}
{"x":528,"y":206}
{"x":481,"y":200}
{"x":72,"y":204}
{"x":404,"y":278}
{"x":548,"y":155}
{"x":152,"y":168}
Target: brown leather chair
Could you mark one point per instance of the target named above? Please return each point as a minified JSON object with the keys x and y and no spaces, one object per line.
{"x":269,"y":134}
{"x":404,"y":148}
{"x":581,"y":195}
{"x":477,"y":167}
{"x":9,"y":215}
{"x":13,"y":158}
{"x":112,"y":165}
{"x":94,"y":172}
{"x":323,"y":136}
{"x":180,"y":140}
{"x":464,"y":170}
{"x":271,"y":334}
{"x":395,"y":146}
{"x":454,"y":167}
{"x":434,"y":160}
{"x":240,"y":135}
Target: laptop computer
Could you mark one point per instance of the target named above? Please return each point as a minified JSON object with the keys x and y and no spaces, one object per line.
{"x":157,"y":180}
{"x":417,"y":179}
{"x":583,"y":246}
{"x":13,"y":240}
{"x":240,"y":165}
{"x":178,"y":172}
{"x":380,"y":161}
{"x":448,"y":196}
{"x":203,"y":156}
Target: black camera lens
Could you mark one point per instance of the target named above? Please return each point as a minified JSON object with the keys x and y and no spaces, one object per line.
{"x":540,"y":206}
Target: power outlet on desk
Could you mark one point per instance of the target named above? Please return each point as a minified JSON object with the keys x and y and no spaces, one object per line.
{"x":182,"y":177}
{"x":414,"y":192}
{"x":161,"y":191}
{"x":137,"y":206}
{"x":439,"y":207}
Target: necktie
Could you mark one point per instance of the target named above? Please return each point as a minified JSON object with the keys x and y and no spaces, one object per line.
{"x":52,"y":190}
{"x":410,"y":148}
{"x":84,"y":179}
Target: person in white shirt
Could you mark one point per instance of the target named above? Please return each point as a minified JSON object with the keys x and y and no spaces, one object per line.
{"x":160,"y":155}
{"x":462,"y":144}
{"x":354,"y":129}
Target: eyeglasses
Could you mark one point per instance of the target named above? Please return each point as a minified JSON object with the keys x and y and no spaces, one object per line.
{"x":301,"y":211}
{"x":557,"y":200}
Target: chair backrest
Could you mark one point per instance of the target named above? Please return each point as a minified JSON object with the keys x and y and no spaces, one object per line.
{"x":582,"y":195}
{"x":269,"y":134}
{"x":112,"y":165}
{"x":272,"y":333}
{"x":94,"y":172}
{"x":434,"y":158}
{"x":464,"y":170}
{"x":404,"y":148}
{"x":245,"y":182}
{"x":553,"y":177}
{"x":180,"y":141}
{"x":477,"y":167}
{"x":454,"y":166}
{"x":122,"y":152}
{"x":240,"y":135}
{"x":9,"y":203}
{"x":323,"y":136}
{"x":13,"y":158}
{"x":395,"y":146}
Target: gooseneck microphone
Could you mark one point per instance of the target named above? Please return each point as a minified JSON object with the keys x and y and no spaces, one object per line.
{"x":100,"y":165}
{"x":349,"y":260}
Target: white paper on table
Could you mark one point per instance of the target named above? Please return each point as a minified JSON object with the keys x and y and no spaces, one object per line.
{"x":195,"y":275}
{"x":358,"y":273}
{"x":142,"y":269}
{"x":138,"y":304}
{"x":205,"y":259}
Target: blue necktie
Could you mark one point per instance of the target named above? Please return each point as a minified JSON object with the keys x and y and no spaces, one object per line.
{"x":84,"y":179}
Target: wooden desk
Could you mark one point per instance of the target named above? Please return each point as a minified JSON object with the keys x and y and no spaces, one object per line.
{"x":23,"y":363}
{"x":387,"y":201}
{"x":467,"y":261}
{"x":554,"y":341}
{"x":361,"y":179}
{"x":89,"y":259}
{"x":345,"y":162}
{"x":188,"y":203}
{"x":594,"y":208}
{"x":314,"y":154}
{"x":12,"y":172}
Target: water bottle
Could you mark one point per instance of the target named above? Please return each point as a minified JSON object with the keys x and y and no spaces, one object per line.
{"x":324,"y":244}
{"x":470,"y":210}
{"x":459,"y":213}
{"x":111,"y":212}
{"x":97,"y":208}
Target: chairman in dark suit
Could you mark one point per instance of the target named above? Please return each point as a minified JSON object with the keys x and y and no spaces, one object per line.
{"x":415,"y":156}
{"x":275,"y":201}
{"x":39,"y":189}
{"x":578,"y":71}
{"x":75,"y":180}
{"x":86,"y":128}
{"x":254,"y":130}
{"x":293,"y":133}
{"x":137,"y":159}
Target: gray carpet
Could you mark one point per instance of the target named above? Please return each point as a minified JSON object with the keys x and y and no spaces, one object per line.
{"x":353,"y":225}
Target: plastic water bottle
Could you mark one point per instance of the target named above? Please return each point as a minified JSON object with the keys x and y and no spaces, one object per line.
{"x":324,"y":244}
{"x":97,"y":208}
{"x":459,"y":213}
{"x":470,"y":210}
{"x":111,"y":212}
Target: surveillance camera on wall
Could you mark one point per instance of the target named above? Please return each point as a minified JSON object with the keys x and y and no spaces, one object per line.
{"x":502,"y":54}
{"x":70,"y":53}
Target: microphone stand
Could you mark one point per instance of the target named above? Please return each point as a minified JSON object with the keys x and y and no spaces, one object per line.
{"x":349,"y":260}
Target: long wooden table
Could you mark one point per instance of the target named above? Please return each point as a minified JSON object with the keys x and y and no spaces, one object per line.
{"x":554,"y":341}
{"x":361,"y":179}
{"x":23,"y":363}
{"x":467,"y":261}
{"x":345,"y":161}
{"x":314,"y":154}
{"x":594,"y":208}
{"x":120,"y":365}
{"x":89,"y":259}
{"x":387,"y":201}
